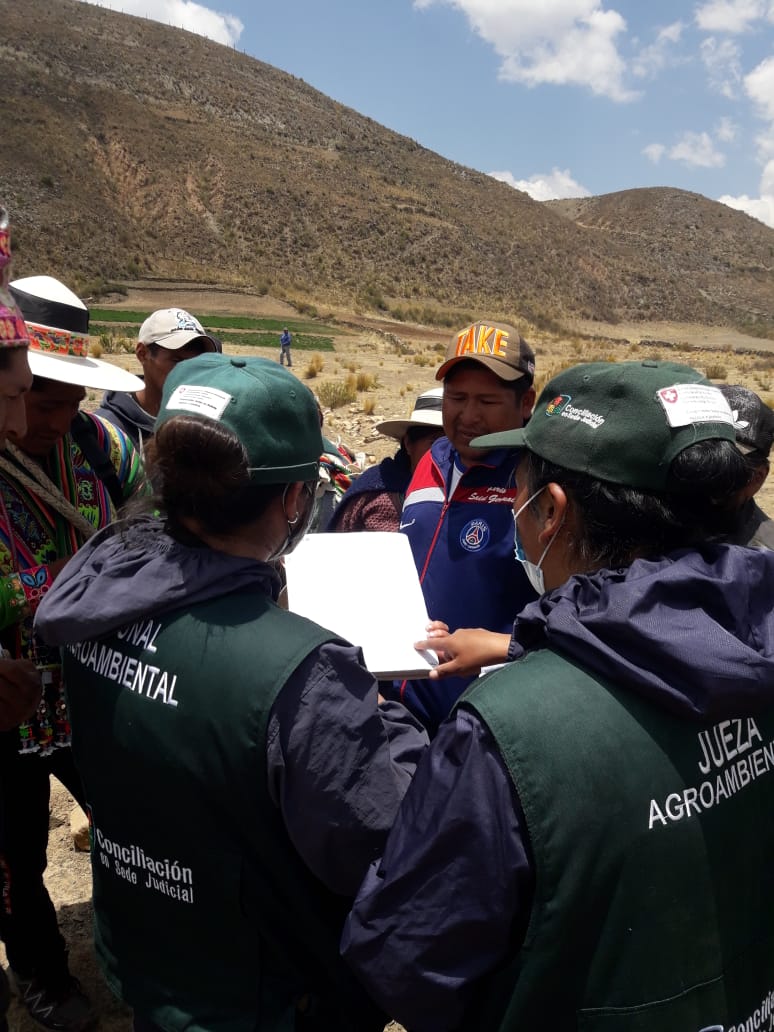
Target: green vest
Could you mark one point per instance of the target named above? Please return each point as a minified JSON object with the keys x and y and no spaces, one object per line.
{"x":652,"y":838}
{"x":206,"y":916}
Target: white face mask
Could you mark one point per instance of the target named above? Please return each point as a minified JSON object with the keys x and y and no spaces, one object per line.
{"x":533,"y":571}
{"x":298,"y":527}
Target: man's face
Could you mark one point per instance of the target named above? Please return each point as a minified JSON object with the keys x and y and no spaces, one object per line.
{"x":157,"y":363}
{"x":50,"y":409}
{"x":476,"y":402}
{"x":15,"y":381}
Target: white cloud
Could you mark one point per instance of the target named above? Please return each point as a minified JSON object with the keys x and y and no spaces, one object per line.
{"x":654,"y":152}
{"x":732,"y":15}
{"x":545,"y":186}
{"x":698,"y":151}
{"x":652,"y":59}
{"x":564,"y":42}
{"x":722,"y":59}
{"x":184,"y":14}
{"x":759,"y":85}
{"x":761,"y":208}
{"x":725,"y":131}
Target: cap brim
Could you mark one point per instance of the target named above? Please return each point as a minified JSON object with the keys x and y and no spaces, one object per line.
{"x":179,"y":339}
{"x":82,"y":372}
{"x":494,"y":365}
{"x":505,"y":439}
{"x":397,"y":427}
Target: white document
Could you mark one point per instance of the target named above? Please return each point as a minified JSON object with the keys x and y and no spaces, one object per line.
{"x":363,"y":587}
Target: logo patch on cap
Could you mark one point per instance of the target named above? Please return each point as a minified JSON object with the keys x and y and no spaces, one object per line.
{"x":557,"y":404}
{"x":202,"y":401}
{"x":186,"y":322}
{"x":475,"y":535}
{"x":687,"y":403}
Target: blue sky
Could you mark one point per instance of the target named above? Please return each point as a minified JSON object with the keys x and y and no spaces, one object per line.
{"x":561,"y":98}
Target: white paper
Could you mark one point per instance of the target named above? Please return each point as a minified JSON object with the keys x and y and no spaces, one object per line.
{"x":687,"y":403}
{"x":365,"y":588}
{"x":204,"y":401}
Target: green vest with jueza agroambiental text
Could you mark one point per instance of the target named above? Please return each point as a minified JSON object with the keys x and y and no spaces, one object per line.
{"x":206,"y":918}
{"x":653,"y":841}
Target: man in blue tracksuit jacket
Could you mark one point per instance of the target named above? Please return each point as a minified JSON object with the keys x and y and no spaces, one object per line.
{"x":458,"y":507}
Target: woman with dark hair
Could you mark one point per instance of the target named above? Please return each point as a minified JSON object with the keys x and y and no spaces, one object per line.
{"x":602,"y":807}
{"x":239,"y":771}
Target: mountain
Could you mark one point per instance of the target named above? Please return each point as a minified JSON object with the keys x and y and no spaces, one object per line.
{"x":136,"y":151}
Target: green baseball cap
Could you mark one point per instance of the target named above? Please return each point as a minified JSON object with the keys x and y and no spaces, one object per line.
{"x":621,"y":421}
{"x":271,"y":412}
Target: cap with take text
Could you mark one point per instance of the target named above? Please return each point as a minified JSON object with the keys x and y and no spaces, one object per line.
{"x":623,"y":422}
{"x":173,"y":328}
{"x":271,"y":412}
{"x":497,"y":346}
{"x":753,"y":419}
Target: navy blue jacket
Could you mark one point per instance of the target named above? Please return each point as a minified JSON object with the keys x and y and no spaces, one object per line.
{"x":464,"y":553}
{"x":451,"y":898}
{"x":134,"y":570}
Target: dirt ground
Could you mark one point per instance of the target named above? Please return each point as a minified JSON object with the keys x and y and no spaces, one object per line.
{"x":403,"y":369}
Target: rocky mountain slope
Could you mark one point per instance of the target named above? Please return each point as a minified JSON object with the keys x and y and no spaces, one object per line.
{"x":133,"y":151}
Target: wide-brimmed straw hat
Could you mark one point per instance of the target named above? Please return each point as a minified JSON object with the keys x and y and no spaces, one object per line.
{"x":58,"y":326}
{"x":426,"y":412}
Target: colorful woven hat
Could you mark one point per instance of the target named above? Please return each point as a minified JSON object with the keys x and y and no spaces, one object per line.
{"x":58,"y":326}
{"x":13,"y":332}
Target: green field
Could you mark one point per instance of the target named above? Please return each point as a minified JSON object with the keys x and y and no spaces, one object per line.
{"x":256,"y":333}
{"x":215,"y":322}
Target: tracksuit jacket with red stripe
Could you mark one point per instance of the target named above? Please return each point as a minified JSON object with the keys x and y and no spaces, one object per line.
{"x":463,"y":550}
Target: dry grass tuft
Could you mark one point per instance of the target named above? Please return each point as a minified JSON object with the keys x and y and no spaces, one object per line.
{"x":333,"y":393}
{"x":314,"y":367}
{"x":715,"y":371}
{"x":366,"y":382}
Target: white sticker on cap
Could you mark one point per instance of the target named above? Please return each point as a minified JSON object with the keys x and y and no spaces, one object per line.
{"x":687,"y":403}
{"x":203,"y":401}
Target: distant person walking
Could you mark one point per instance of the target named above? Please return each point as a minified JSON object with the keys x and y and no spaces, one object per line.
{"x":286,"y":339}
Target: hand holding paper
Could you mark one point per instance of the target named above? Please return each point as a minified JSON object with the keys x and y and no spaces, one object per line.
{"x":464,"y":652}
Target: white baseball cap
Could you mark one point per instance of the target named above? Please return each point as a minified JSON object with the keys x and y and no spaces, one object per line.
{"x":173,"y":328}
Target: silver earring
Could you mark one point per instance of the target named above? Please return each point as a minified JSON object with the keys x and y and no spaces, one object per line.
{"x":294,"y":521}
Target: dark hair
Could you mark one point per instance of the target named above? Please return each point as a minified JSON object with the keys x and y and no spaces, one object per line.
{"x":617,"y":524}
{"x":519,"y":386}
{"x":199,"y":469}
{"x":416,"y":433}
{"x":755,"y":458}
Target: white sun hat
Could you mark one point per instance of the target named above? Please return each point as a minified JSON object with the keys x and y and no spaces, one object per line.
{"x":58,"y":324}
{"x":426,"y":412}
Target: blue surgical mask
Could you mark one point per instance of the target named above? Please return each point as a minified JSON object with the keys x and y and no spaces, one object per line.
{"x":533,"y":571}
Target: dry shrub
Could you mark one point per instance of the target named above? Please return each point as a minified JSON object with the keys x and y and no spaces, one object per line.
{"x":314,"y":367}
{"x":716,"y":371}
{"x":96,"y":349}
{"x":365,"y":382}
{"x":369,"y":405}
{"x":333,"y":394}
